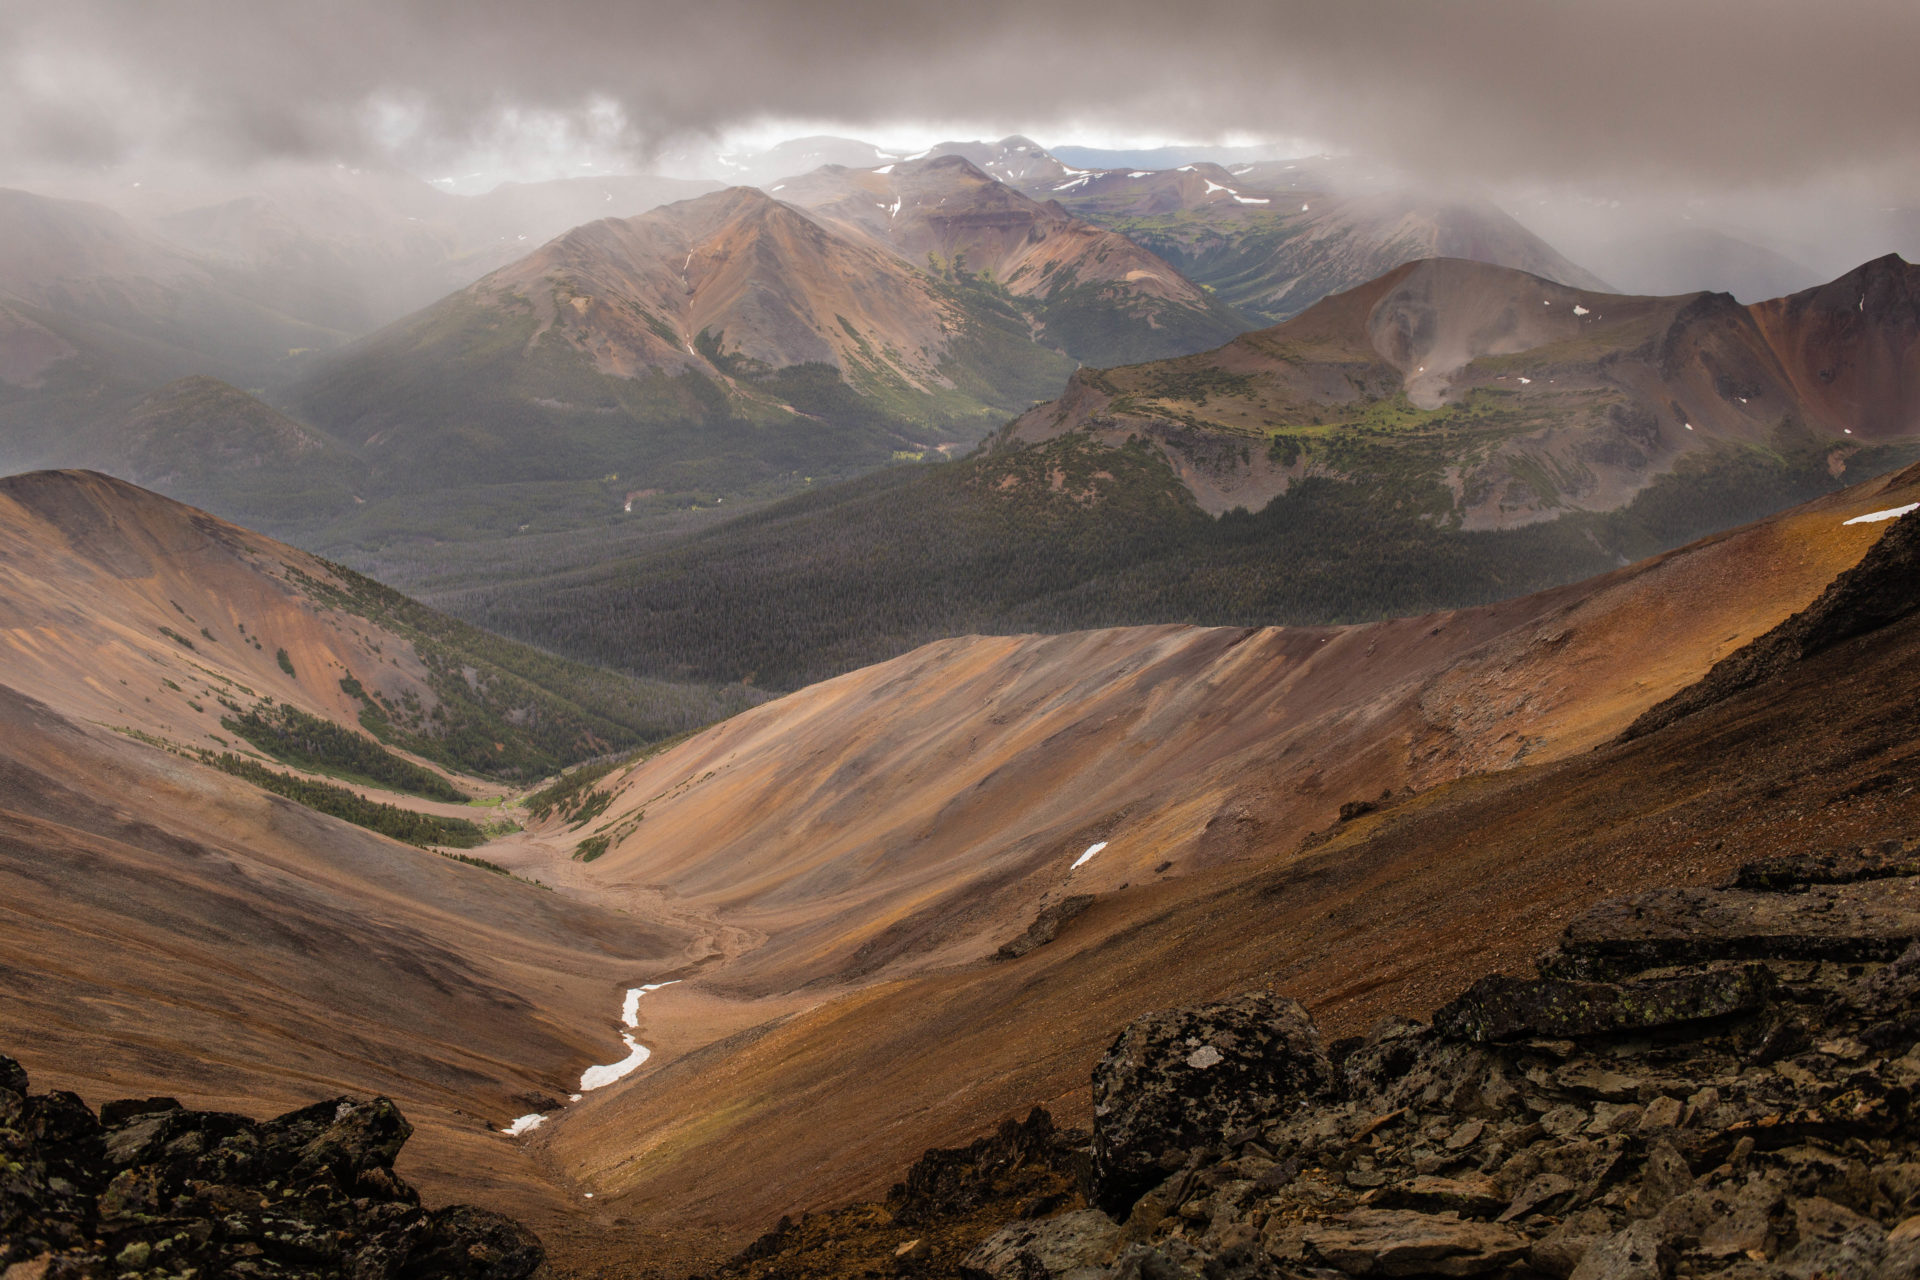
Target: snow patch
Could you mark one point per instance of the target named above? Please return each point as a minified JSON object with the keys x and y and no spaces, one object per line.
{"x":1580,"y":310}
{"x":1091,"y":850}
{"x":1687,"y":425}
{"x":1303,"y":208}
{"x":894,"y":212}
{"x":1213,"y":186}
{"x":1068,"y":186}
{"x":1259,"y":200}
{"x":1525,"y":381}
{"x":1891,"y":513}
{"x":885,"y":168}
{"x":1141,"y":173}
{"x":525,"y":1124}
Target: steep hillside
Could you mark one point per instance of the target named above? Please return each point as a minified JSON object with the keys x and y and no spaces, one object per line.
{"x":125,"y":609}
{"x":1091,"y":293}
{"x":952,"y":874}
{"x":1273,"y":239}
{"x":718,"y":341}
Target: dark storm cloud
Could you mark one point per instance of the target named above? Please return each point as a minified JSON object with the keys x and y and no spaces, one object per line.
{"x":1717,"y":90}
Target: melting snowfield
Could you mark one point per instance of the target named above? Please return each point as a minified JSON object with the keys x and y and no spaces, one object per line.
{"x":1891,"y":513}
{"x":598,"y":1077}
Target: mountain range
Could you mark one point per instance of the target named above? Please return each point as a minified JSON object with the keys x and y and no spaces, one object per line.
{"x":1449,"y":434}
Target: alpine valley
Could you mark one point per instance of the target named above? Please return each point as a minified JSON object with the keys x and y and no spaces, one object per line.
{"x":982,"y":711}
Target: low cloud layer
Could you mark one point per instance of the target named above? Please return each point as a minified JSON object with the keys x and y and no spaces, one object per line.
{"x":1704,"y":91}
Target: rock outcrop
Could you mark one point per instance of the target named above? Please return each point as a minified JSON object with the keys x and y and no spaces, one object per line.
{"x":1697,"y":1083}
{"x":147,"y":1187}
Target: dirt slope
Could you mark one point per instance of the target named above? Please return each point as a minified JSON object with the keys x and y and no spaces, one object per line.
{"x":881,"y":835}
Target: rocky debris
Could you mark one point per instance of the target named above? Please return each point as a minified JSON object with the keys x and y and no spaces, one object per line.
{"x":147,"y":1187}
{"x":1875,"y":592}
{"x":1728,"y":1088}
{"x":1501,"y":1008}
{"x":1046,"y":925}
{"x":1020,"y":1185}
{"x":1396,"y":1242}
{"x":960,"y":1179}
{"x":1695,"y":1084}
{"x":1077,"y":1245}
{"x":1186,"y":1079}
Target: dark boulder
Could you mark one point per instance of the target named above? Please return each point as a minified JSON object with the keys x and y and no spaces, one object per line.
{"x":159,"y":1189}
{"x":1868,"y":921}
{"x":1186,"y":1078}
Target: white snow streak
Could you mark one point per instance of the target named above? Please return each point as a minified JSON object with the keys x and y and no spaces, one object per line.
{"x":1091,"y":850}
{"x":637,"y":1053}
{"x":1141,"y":173}
{"x":525,"y":1124}
{"x":1891,"y":513}
{"x":885,"y":168}
{"x":1580,"y":310}
{"x":1259,"y":200}
{"x":1213,"y":186}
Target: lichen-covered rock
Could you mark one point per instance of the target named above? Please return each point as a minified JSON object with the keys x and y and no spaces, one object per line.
{"x":1189,"y":1078}
{"x":164,"y":1191}
{"x":1071,"y":1246}
{"x":1870,"y":921}
{"x":1503,"y":1008}
{"x":1398,"y":1242}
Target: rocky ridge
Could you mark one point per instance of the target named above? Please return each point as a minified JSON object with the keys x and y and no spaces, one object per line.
{"x":1695,"y":1082}
{"x":146,"y":1187}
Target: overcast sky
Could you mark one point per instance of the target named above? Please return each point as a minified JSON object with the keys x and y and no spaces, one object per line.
{"x":1701,"y":91}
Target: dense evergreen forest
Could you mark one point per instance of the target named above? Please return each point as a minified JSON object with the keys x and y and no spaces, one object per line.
{"x":1069,"y":535}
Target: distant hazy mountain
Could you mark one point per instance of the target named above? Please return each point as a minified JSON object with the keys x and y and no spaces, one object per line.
{"x":717,"y":340}
{"x":1091,"y":293}
{"x":1162,"y":157}
{"x":1699,"y":258}
{"x":1273,"y":240}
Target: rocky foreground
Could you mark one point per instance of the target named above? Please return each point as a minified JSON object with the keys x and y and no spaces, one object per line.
{"x":148,"y":1188}
{"x":1695,"y":1083}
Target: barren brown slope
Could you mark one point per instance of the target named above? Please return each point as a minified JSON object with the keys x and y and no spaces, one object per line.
{"x":165,"y":929}
{"x":1525,"y":399}
{"x":886,"y":831}
{"x":737,"y":263}
{"x":123,"y":608}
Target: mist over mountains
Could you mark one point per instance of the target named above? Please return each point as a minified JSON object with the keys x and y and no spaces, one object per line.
{"x":1255,"y":640}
